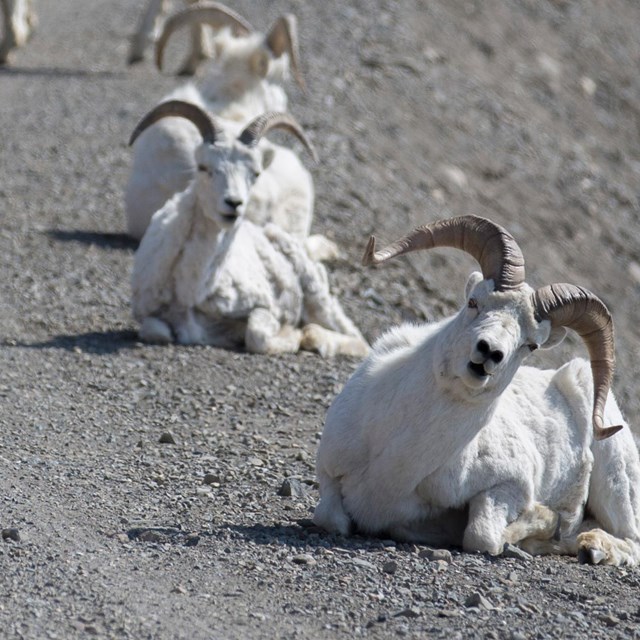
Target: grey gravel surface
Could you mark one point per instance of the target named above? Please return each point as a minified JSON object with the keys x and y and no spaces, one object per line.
{"x":166,"y":492}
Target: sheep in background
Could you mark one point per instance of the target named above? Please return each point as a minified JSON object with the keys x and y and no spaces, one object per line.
{"x":251,"y":286}
{"x":441,"y":437}
{"x":150,"y":25}
{"x":164,"y":160}
{"x":20,"y":20}
{"x":245,"y":173}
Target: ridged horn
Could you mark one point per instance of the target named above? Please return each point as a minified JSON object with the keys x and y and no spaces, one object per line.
{"x":283,"y":38}
{"x":261,"y":125}
{"x":179,"y":109}
{"x":495,"y":249}
{"x":567,"y":305}
{"x":214,"y":14}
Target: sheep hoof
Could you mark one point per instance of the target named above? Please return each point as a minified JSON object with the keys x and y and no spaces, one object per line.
{"x":155,"y":331}
{"x":590,"y":556}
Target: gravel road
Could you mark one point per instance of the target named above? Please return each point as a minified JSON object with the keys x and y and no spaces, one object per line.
{"x":166,"y":492}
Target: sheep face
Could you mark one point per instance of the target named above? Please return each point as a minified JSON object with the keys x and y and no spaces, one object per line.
{"x":226,"y":174}
{"x":491,"y":336}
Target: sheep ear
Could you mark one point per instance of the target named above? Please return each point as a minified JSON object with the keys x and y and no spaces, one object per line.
{"x":556,"y":336}
{"x":267,"y":157}
{"x":474,"y":279}
{"x":259,"y":63}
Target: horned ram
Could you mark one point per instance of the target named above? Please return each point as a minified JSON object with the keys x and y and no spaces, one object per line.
{"x":239,"y":90}
{"x":442,"y":437}
{"x":204,"y":274}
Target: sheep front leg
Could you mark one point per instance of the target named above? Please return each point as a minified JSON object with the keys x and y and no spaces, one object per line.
{"x":264,"y":334}
{"x":500,"y":515}
{"x":19,"y":22}
{"x":331,"y":343}
{"x":147,"y":26}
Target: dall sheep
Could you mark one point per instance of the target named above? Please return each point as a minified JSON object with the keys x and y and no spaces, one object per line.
{"x":442,"y":437}
{"x":249,"y":285}
{"x":19,"y":20}
{"x":232,"y":160}
{"x":164,"y":156}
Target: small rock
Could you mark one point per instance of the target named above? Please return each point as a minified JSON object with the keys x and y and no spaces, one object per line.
{"x":390,"y":567}
{"x":304,"y":559}
{"x":11,"y":534}
{"x":291,"y":488}
{"x":409,"y":612}
{"x":478,"y":600}
{"x":436,"y":554}
{"x":362,"y":564}
{"x":179,"y":589}
{"x":610,"y":620}
{"x":167,"y":438}
{"x":211,"y":478}
{"x":452,"y":178}
{"x":511,"y":551}
{"x":448,"y":613}
{"x":588,"y":86}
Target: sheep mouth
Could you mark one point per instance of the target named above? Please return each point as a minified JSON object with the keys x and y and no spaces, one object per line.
{"x":477,"y":369}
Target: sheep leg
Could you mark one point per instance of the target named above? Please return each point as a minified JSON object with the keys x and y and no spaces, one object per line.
{"x":336,"y":333}
{"x":500,"y":515}
{"x":331,"y":343}
{"x":19,"y":23}
{"x":264,"y":334}
{"x":155,"y":331}
{"x":330,"y":513}
{"x":147,"y":27}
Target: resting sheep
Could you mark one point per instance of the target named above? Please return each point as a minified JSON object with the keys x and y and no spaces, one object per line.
{"x":163,"y":157}
{"x":19,"y":20}
{"x":232,"y":161}
{"x":251,"y":285}
{"x":442,"y":437}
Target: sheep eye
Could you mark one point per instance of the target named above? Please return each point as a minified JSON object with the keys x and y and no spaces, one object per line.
{"x":473,"y":303}
{"x":201,"y":167}
{"x":533,"y":347}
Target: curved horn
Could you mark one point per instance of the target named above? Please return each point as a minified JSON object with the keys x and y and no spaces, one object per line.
{"x":567,"y":305}
{"x":180,"y":109}
{"x":283,"y":37}
{"x":494,"y":248}
{"x":261,"y":125}
{"x":214,"y":14}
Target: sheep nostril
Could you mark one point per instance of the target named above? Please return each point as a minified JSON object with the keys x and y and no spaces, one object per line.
{"x":497,"y":356}
{"x":483,"y":347}
{"x":233,"y":203}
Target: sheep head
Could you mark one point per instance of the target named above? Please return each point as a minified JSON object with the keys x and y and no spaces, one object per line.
{"x":243,"y":52}
{"x":504,"y":319}
{"x":227,"y":165}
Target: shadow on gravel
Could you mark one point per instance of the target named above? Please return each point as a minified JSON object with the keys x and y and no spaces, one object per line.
{"x":104,"y":240}
{"x":100,"y":343}
{"x":59,"y":72}
{"x":293,"y":535}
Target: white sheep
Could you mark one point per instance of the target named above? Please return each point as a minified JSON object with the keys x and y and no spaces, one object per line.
{"x":19,"y":20}
{"x":251,"y":285}
{"x":164,"y":156}
{"x":442,"y":437}
{"x":256,"y":288}
{"x":236,"y":160}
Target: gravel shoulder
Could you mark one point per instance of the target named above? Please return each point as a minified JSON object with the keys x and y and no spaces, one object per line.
{"x":166,"y":492}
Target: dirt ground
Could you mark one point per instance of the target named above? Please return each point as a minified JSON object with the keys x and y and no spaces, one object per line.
{"x":524,"y":111}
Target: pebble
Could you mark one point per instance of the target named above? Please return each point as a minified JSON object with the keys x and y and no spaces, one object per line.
{"x":436,"y":554}
{"x":304,"y":559}
{"x":390,"y":567}
{"x":409,"y":612}
{"x":291,"y":488}
{"x":11,"y":534}
{"x":167,"y":438}
{"x":511,"y":551}
{"x":478,"y":600}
